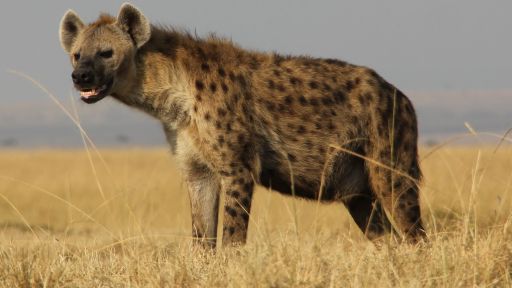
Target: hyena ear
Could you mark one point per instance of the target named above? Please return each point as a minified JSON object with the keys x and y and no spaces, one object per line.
{"x":70,"y":27}
{"x":133,"y":22}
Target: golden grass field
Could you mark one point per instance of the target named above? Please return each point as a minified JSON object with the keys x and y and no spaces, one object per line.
{"x":68,"y":220}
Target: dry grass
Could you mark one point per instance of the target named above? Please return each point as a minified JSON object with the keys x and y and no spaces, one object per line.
{"x":128,"y":224}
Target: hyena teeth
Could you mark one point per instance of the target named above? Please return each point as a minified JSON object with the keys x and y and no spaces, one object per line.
{"x":89,"y":93}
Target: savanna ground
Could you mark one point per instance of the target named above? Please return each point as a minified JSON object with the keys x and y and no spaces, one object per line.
{"x":69,"y":218}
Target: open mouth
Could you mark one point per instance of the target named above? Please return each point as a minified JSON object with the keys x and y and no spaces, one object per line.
{"x":94,"y":95}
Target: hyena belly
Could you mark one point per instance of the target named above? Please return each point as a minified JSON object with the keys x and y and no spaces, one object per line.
{"x":310,"y":176}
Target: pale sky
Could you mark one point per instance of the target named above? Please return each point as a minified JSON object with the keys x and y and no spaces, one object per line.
{"x":420,"y":46}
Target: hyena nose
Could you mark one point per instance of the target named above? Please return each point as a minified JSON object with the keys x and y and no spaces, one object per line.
{"x":82,"y":77}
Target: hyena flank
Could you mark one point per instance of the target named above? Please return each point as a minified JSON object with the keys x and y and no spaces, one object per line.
{"x":319,"y":129}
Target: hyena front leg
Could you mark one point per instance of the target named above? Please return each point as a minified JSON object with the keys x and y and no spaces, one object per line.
{"x":204,"y":188}
{"x":238,"y":188}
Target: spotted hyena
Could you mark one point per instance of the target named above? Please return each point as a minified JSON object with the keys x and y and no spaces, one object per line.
{"x":237,"y":118}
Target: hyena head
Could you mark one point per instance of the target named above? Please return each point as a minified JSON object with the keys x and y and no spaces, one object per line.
{"x":103,"y":53}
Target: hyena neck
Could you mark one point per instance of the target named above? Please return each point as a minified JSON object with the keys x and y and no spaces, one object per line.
{"x":161,"y":86}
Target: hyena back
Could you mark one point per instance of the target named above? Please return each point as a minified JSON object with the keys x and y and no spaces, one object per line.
{"x":237,"y":118}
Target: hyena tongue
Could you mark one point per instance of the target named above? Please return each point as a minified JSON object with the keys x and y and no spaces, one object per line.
{"x":87,"y":94}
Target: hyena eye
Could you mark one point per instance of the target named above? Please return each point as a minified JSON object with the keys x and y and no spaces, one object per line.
{"x":76,"y":56}
{"x":106,"y":54}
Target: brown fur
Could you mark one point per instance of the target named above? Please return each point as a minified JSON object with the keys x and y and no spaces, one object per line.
{"x":238,"y":118}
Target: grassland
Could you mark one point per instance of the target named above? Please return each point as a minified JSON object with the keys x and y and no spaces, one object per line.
{"x":68,"y":220}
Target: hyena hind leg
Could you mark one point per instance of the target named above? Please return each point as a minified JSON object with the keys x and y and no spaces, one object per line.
{"x":399,"y":195}
{"x":349,"y":179}
{"x":368,"y":214}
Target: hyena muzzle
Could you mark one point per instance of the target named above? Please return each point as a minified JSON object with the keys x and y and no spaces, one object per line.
{"x":237,"y":118}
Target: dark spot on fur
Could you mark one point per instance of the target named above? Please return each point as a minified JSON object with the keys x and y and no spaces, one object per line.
{"x":230,"y":230}
{"x":245,"y":217}
{"x":318,"y":125}
{"x":295,"y":81}
{"x":288,"y":100}
{"x":321,"y":150}
{"x":205,"y":67}
{"x":218,"y":125}
{"x":242,"y":81}
{"x":327,"y":87}
{"x":231,"y":212}
{"x":281,"y":88}
{"x":213,"y":87}
{"x":270,"y":106}
{"x":387,"y":110}
{"x":221,"y":112}
{"x":199,"y":85}
{"x":372,"y":83}
{"x":397,"y":184}
{"x":221,"y":140}
{"x":301,"y":129}
{"x":303,"y":101}
{"x":339,"y":96}
{"x":292,"y":157}
{"x":331,"y":126}
{"x":248,"y":188}
{"x":195,"y":108}
{"x":349,"y":85}
{"x":271,"y":84}
{"x":200,"y":52}
{"x":222,"y":72}
{"x":277,"y":73}
{"x":198,"y":97}
{"x":241,"y":138}
{"x":254,"y":64}
{"x":327,"y":101}
{"x":313,"y":102}
{"x":235,"y":194}
{"x":224,"y":87}
{"x":313,"y":85}
{"x":236,"y":97}
{"x":232,"y":76}
{"x":207,"y":116}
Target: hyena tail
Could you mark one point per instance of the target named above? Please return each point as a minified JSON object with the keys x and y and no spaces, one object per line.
{"x":393,"y":166}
